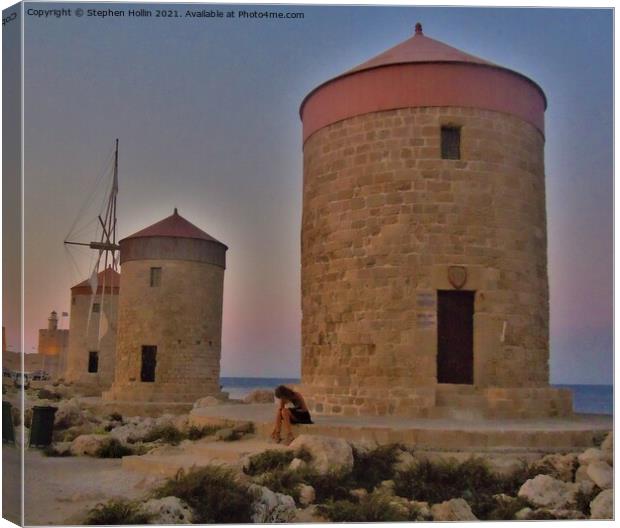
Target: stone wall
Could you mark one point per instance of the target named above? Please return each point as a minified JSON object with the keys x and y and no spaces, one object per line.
{"x":384,"y":217}
{"x":183,"y":318}
{"x":84,"y":338}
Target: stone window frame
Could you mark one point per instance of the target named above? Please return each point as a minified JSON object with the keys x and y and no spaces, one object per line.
{"x":450,"y":151}
{"x":155,"y":276}
{"x":93,"y":359}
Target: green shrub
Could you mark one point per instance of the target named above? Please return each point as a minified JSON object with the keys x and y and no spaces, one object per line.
{"x":583,"y":500}
{"x":112,"y":448}
{"x":282,"y":481}
{"x":167,"y":433}
{"x":371,"y":508}
{"x":213,"y":493}
{"x":472,"y":480}
{"x":374,"y":466}
{"x":505,"y":511}
{"x":117,"y":512}
{"x":333,"y":486}
{"x":270,"y":460}
{"x":116,"y":417}
{"x":196,"y":433}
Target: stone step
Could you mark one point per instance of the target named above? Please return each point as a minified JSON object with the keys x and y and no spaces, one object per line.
{"x":168,"y":461}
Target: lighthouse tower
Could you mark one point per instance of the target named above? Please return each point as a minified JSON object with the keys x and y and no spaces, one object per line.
{"x":170,"y":314}
{"x":424,"y":239}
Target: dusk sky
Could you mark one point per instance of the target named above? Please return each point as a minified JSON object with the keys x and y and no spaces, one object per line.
{"x":206,"y":111}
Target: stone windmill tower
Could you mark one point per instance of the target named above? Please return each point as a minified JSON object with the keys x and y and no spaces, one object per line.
{"x":170,"y":314}
{"x":424,"y":250}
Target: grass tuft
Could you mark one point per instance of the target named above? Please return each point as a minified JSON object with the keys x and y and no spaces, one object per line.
{"x":270,"y":460}
{"x":371,"y":508}
{"x":112,"y":448}
{"x":167,"y":433}
{"x":213,"y":493}
{"x":196,"y":433}
{"x":117,"y":512}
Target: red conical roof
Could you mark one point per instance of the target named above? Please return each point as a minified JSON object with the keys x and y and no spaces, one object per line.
{"x":174,"y":226}
{"x":419,"y":48}
{"x":111,"y":278}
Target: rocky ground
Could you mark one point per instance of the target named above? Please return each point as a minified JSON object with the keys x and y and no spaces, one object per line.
{"x":319,"y":478}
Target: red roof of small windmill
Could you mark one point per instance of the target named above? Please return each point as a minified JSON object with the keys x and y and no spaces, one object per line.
{"x":174,"y":226}
{"x":112,"y":279}
{"x":419,"y":48}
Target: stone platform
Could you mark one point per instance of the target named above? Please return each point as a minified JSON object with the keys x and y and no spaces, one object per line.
{"x":134,"y":408}
{"x":479,"y":435}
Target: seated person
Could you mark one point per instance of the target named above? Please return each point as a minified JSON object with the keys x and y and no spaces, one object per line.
{"x":292,"y":410}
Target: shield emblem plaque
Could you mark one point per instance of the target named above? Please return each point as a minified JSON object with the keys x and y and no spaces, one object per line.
{"x":457,"y":275}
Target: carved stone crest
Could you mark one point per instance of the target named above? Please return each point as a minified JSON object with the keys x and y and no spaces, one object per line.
{"x":457,"y":275}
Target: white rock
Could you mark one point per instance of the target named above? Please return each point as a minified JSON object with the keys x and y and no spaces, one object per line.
{"x":272,"y":507}
{"x":307,"y":495}
{"x":452,"y":510}
{"x":503,"y":465}
{"x":169,"y":510}
{"x":296,"y":463}
{"x":545,"y":491}
{"x":590,"y":455}
{"x":581,"y":474}
{"x":602,"y":507}
{"x":328,"y":453}
{"x":608,"y":443}
{"x":207,"y":401}
{"x":87,"y":444}
{"x":136,"y":429}
{"x":364,"y":445}
{"x":586,"y":486}
{"x":358,"y":493}
{"x":601,"y":474}
{"x":523,"y":514}
{"x":260,"y":396}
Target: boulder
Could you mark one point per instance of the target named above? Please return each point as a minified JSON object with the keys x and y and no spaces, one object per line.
{"x":270,"y":507}
{"x":590,"y":455}
{"x":581,"y":474}
{"x":523,"y":514}
{"x":364,"y":446}
{"x":561,"y":467}
{"x":608,"y":443}
{"x":307,"y":495}
{"x":602,"y":507}
{"x":87,"y":444}
{"x":168,"y":510}
{"x":452,"y":510}
{"x":567,"y":514}
{"x":69,"y":414}
{"x":136,"y":429}
{"x":296,"y":464}
{"x":328,"y":453}
{"x":260,"y":396}
{"x":181,"y":422}
{"x":503,"y":465}
{"x":547,"y":492}
{"x":207,"y":401}
{"x":601,"y":474}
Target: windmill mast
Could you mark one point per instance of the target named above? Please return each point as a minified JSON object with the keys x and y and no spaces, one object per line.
{"x":107,"y":242}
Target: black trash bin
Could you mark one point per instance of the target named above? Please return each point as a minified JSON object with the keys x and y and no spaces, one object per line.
{"x":42,"y":425}
{"x":8,"y":433}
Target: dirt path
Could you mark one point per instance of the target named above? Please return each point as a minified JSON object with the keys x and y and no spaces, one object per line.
{"x":62,"y":489}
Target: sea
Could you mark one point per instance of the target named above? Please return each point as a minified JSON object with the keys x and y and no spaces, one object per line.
{"x":587,"y":399}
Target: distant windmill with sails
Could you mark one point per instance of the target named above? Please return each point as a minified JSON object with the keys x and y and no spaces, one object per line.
{"x":103,"y":278}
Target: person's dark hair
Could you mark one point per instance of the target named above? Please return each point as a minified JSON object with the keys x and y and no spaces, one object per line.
{"x":283,"y":392}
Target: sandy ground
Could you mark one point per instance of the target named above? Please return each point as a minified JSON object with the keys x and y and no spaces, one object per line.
{"x":61,"y":490}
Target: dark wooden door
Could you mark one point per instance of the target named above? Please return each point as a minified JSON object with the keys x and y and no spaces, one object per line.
{"x":93,"y":361}
{"x":149,"y":362}
{"x":455,"y":337}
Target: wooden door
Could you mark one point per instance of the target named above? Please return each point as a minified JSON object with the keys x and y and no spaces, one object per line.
{"x":455,"y":337}
{"x":149,"y":362}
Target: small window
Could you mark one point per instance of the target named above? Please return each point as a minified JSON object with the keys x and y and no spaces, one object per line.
{"x":450,"y":142}
{"x":96,"y":307}
{"x":72,"y":300}
{"x":155,"y":277}
{"x":93,"y":361}
{"x":149,"y":363}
